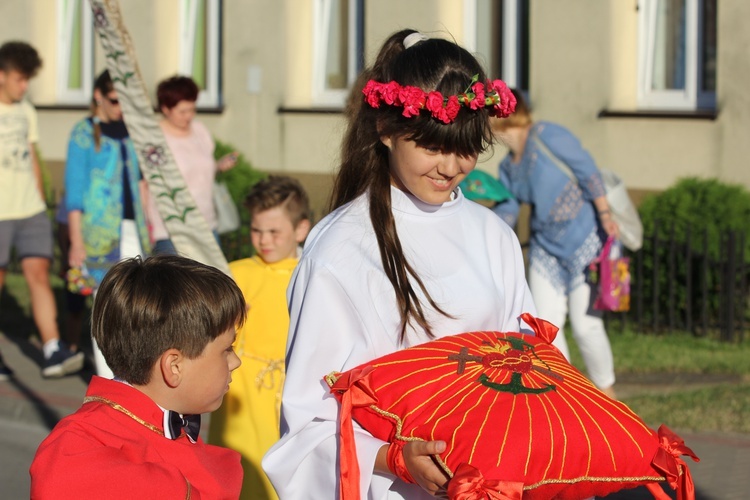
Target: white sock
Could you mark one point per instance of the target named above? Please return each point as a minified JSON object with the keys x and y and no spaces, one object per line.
{"x":50,"y":347}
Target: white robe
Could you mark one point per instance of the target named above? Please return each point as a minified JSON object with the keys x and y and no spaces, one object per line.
{"x":343,"y":313}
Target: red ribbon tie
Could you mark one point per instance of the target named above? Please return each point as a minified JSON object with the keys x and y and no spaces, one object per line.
{"x":468,"y":483}
{"x":674,"y":469}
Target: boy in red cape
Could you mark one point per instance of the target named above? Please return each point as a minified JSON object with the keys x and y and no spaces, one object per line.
{"x":166,"y":326}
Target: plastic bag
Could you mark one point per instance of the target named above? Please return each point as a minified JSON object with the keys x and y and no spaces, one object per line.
{"x":610,"y":273}
{"x":227,"y":215}
{"x":623,"y":211}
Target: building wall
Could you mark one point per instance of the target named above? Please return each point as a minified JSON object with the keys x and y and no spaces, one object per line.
{"x":583,"y":60}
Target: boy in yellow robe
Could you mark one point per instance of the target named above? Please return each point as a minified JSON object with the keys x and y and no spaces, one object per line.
{"x":248,"y":420}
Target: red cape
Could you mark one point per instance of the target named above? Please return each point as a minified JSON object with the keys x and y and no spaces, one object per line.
{"x":114,"y":447}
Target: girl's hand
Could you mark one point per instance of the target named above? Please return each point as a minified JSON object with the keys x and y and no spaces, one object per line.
{"x":419,"y":463}
{"x":228,"y":161}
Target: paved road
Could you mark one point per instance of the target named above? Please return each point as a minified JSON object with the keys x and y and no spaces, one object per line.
{"x":18,"y":442}
{"x":30,"y":405}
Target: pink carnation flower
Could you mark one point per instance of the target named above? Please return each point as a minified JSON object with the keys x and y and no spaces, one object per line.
{"x":434,"y":102}
{"x":389,"y":92}
{"x":507,"y":104}
{"x":452,"y":108}
{"x":478,"y":101}
{"x":372,"y":93}
{"x":413,"y":100}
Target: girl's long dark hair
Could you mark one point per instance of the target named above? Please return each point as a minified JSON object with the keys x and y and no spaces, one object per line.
{"x":432,"y":64}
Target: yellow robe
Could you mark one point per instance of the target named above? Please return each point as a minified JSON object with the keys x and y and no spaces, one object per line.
{"x":248,"y":420}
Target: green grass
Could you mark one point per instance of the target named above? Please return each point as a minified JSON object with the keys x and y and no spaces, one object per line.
{"x":674,"y":353}
{"x":721,"y":408}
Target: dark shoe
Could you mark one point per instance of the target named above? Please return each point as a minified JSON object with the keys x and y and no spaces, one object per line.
{"x":5,"y":372}
{"x":62,"y":362}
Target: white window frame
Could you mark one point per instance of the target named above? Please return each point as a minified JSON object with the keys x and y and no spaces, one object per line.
{"x":689,"y":98}
{"x":210,"y":96}
{"x":511,"y":55}
{"x":66,"y":10}
{"x":321,"y":94}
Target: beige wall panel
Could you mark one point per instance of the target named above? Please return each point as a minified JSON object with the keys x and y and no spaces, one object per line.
{"x":654,"y":153}
{"x":54,"y":132}
{"x":623,"y":54}
{"x":438,"y":18}
{"x":297,"y":59}
{"x":253,"y":37}
{"x":733,"y":95}
{"x":312,"y":142}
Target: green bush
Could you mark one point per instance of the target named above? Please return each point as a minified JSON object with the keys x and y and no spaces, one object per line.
{"x":704,"y":211}
{"x":239,"y":180}
{"x":49,"y":190}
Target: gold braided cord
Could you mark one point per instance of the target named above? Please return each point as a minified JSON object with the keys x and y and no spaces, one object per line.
{"x":122,"y":409}
{"x":636,"y":479}
{"x":265,"y":378}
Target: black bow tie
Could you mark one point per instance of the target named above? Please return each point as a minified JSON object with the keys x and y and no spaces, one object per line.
{"x":177,"y":422}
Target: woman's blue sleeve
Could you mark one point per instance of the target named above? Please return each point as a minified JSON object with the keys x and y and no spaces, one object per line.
{"x":563,"y":144}
{"x":76,"y":171}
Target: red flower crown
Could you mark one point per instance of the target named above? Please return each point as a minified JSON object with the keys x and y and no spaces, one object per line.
{"x":413,"y":99}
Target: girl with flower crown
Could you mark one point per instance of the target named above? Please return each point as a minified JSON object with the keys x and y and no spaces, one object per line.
{"x":402,"y":258}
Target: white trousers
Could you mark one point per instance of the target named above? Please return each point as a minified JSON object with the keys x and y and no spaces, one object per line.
{"x":586,"y":323}
{"x":130,"y":246}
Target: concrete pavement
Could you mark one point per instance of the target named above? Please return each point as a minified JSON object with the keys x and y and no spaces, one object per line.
{"x":722,"y":474}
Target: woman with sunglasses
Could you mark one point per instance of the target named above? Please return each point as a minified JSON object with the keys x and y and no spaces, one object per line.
{"x":103,"y":188}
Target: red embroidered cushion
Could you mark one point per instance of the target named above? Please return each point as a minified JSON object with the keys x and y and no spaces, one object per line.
{"x":514,"y":414}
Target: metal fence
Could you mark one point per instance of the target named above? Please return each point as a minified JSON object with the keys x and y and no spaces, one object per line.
{"x":687,"y":279}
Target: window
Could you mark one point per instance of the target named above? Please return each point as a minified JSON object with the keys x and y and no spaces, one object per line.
{"x":200,"y":48}
{"x":75,"y":52}
{"x":499,"y":34}
{"x":677,"y":54}
{"x":338,"y":50}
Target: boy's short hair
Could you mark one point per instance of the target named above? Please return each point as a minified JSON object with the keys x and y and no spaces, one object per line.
{"x":20,"y":56}
{"x":145,"y":307}
{"x":283,"y":191}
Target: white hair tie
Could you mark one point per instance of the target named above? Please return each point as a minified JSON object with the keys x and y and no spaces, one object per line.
{"x":413,"y":39}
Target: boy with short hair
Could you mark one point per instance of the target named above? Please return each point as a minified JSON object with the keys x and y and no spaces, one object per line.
{"x":24,"y":223}
{"x":249,"y":419}
{"x":165,"y":326}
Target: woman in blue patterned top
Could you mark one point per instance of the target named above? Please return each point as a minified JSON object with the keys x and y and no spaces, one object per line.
{"x":103,"y":192}
{"x":570,"y":221}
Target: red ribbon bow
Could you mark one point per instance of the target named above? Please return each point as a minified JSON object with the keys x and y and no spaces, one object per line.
{"x":468,"y":483}
{"x":543,"y":329}
{"x":674,"y":469}
{"x":356,"y":392}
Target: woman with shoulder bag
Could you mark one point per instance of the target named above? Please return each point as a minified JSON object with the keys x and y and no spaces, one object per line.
{"x":570,"y":221}
{"x":192,"y":146}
